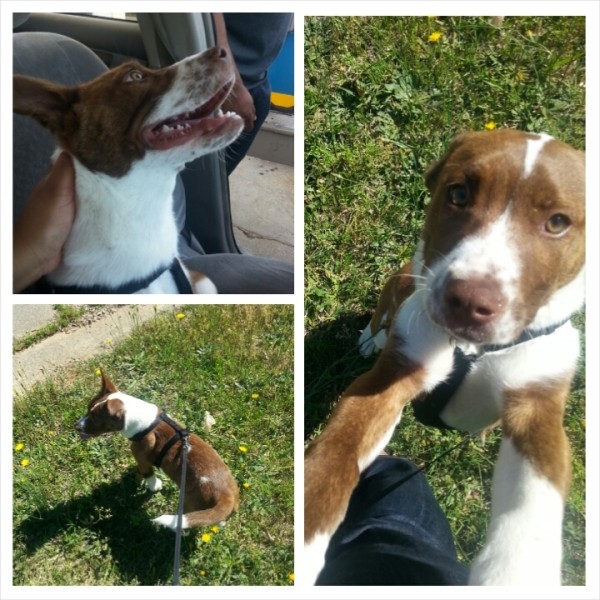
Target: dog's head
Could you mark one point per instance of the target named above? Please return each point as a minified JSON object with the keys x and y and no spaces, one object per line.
{"x":104,"y":414}
{"x":119,"y":117}
{"x":503,"y":248}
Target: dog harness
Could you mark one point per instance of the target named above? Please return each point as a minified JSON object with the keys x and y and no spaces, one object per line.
{"x":180,"y":434}
{"x":427,"y":408}
{"x":181,"y":281}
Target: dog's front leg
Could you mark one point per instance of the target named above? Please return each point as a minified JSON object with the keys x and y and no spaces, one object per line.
{"x":530,"y":484}
{"x":146,"y":471}
{"x":363,"y":422}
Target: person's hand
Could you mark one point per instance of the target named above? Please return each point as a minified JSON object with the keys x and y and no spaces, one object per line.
{"x":240,"y":101}
{"x":44,"y":225}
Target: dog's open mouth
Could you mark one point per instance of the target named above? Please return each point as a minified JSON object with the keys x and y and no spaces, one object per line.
{"x":206,"y":120}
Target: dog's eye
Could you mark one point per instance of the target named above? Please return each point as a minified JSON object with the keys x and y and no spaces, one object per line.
{"x":557,"y":224}
{"x":134,"y":75}
{"x":458,"y":195}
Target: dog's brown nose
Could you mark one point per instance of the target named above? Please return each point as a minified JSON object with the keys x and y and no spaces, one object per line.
{"x":217,"y":52}
{"x":472,"y":303}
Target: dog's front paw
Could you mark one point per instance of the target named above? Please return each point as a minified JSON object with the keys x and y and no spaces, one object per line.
{"x":153,"y":484}
{"x":422,"y":341}
{"x":370,"y":343}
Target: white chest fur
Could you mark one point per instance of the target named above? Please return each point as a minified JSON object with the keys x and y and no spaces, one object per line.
{"x":125,"y":227}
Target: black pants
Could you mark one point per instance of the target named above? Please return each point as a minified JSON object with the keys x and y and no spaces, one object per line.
{"x":394,"y":533}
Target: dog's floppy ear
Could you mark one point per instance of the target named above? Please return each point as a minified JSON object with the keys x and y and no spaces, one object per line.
{"x":432,"y":172}
{"x":43,"y":100}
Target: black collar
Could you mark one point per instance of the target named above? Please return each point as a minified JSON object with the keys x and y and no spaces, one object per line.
{"x":528,"y":334}
{"x":181,"y":281}
{"x":180,"y":433}
{"x":427,"y":407}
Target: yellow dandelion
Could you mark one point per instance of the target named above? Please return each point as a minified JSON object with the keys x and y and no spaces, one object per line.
{"x":292,"y":577}
{"x":243,"y":449}
{"x":206,"y":537}
{"x":246,"y":484}
{"x":521,"y":76}
{"x":254,"y":396}
{"x":25,"y":462}
{"x":179,"y":316}
{"x":108,"y":341}
{"x":435,"y":37}
{"x":490,"y":125}
{"x":215,"y":528}
{"x":98,"y":372}
{"x":202,"y":572}
{"x":19,"y":447}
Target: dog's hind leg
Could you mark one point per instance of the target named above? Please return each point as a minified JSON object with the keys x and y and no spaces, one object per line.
{"x":200,"y":283}
{"x":397,"y":289}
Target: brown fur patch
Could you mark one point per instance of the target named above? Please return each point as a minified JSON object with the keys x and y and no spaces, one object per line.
{"x":365,"y":413}
{"x":533,"y":418}
{"x":491,"y":165}
{"x":209,"y":482}
{"x":99,"y":122}
{"x":398,"y":287}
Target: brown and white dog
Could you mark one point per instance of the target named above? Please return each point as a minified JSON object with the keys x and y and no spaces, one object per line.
{"x":210,"y":494}
{"x":129,"y":132}
{"x":496,"y":277}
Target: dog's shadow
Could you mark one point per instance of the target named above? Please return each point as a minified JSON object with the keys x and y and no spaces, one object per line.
{"x":331,"y":362}
{"x":142,"y":552}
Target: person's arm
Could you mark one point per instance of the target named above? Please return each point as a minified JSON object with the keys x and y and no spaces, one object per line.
{"x":239,"y":101}
{"x":44,"y":225}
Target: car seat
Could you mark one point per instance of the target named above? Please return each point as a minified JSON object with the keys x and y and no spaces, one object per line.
{"x":59,"y":58}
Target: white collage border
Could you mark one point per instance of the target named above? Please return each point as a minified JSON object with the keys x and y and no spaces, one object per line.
{"x":300,"y":8}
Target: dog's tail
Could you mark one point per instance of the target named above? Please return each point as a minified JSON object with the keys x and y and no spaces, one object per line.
{"x":210,"y":516}
{"x":218,"y":513}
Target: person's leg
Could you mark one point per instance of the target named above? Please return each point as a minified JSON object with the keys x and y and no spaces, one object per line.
{"x":394,"y":533}
{"x":234,"y":153}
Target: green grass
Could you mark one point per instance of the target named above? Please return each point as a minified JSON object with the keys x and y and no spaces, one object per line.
{"x":80,"y":516}
{"x":381,"y":103}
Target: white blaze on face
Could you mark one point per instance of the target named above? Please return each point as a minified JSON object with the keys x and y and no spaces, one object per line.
{"x":534,"y":147}
{"x":492,"y":253}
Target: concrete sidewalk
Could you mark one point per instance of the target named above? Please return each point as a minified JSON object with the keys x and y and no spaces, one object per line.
{"x":262,"y":207}
{"x":262,"y":191}
{"x":63,"y":348}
